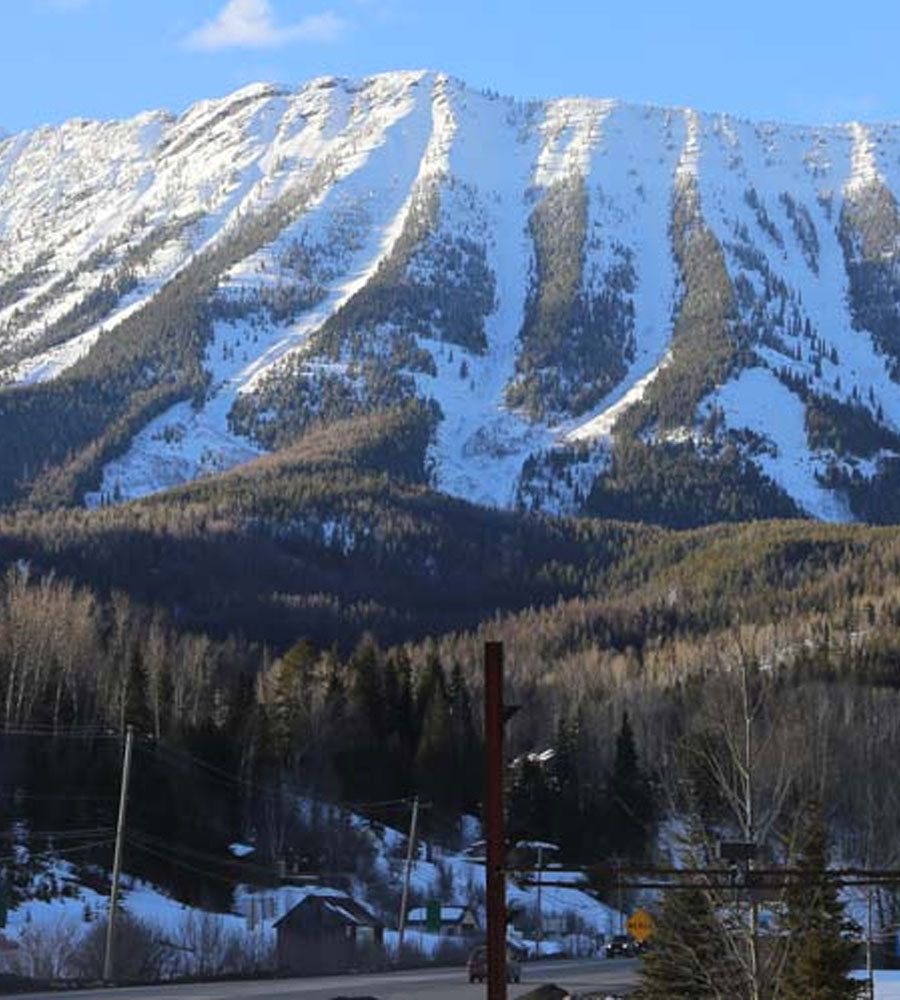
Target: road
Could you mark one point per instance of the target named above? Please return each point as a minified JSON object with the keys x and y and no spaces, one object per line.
{"x":429,"y":984}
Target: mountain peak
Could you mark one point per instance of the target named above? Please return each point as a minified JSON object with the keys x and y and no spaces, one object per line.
{"x":581,"y":296}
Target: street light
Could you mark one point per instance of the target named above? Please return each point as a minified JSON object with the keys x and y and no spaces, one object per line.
{"x":540,"y":846}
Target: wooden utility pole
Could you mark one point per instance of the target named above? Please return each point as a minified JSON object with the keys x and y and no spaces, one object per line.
{"x":404,"y":899}
{"x":494,"y":718}
{"x":540,"y":912}
{"x":117,"y":859}
{"x":750,"y":827}
{"x":870,"y":975}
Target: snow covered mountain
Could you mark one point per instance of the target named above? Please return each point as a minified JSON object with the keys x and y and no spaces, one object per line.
{"x":634,"y":311}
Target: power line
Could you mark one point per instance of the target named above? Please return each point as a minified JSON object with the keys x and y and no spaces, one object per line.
{"x":178,"y":863}
{"x":183,"y":757}
{"x":60,"y":734}
{"x":17,"y":793}
{"x":64,"y":851}
{"x":240,"y":866}
{"x":27,"y":834}
{"x":203,"y":855}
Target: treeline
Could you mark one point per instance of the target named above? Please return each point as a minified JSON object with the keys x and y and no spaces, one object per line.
{"x":333,"y":537}
{"x":678,"y":483}
{"x":231,"y":742}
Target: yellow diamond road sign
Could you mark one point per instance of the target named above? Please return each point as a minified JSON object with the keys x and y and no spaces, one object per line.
{"x":640,"y":925}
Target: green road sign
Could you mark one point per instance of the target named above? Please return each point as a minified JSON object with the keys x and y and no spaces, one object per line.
{"x":433,"y":917}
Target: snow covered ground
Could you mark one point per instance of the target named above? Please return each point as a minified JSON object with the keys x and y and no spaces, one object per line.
{"x":452,"y":876}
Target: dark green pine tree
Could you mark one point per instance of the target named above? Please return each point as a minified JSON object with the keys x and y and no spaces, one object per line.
{"x":363,"y":752}
{"x":435,"y":761}
{"x":630,"y":807}
{"x":400,"y":726}
{"x":567,"y":826}
{"x":531,"y":803}
{"x":821,"y":946}
{"x":689,"y":959}
{"x":467,"y":743}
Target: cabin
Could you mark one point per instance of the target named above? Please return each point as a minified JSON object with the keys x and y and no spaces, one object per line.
{"x":455,"y":921}
{"x":328,"y":933}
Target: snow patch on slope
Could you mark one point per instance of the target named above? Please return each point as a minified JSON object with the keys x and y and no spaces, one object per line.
{"x":864,"y":167}
{"x":481,"y":445}
{"x":600,"y":427}
{"x":749,"y":401}
{"x":570,"y":132}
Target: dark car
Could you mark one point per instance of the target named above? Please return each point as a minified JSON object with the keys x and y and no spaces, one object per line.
{"x":477,"y":966}
{"x":621,"y":945}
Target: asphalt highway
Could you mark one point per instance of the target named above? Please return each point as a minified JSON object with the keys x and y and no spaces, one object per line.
{"x":615,"y":976}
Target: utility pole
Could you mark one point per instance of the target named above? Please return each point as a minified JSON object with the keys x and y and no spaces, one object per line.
{"x":495,"y":875}
{"x":619,"y":904}
{"x":870,"y":975}
{"x":404,"y":898}
{"x":540,"y":919}
{"x":750,"y":831}
{"x":117,"y":859}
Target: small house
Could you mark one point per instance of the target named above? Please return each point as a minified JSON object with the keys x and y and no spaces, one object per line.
{"x":328,"y":933}
{"x":455,"y":921}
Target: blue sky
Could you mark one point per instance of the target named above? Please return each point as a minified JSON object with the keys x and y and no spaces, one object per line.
{"x":790,"y":60}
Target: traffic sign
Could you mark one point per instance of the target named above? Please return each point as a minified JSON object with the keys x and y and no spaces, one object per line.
{"x":433,"y":917}
{"x":640,"y":926}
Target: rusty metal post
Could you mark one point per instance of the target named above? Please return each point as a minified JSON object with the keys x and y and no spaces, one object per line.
{"x":493,"y":821}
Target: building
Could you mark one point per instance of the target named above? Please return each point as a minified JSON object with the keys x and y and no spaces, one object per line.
{"x":452,"y":921}
{"x":328,"y":933}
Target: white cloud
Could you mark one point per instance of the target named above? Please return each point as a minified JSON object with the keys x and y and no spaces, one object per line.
{"x":250,"y":24}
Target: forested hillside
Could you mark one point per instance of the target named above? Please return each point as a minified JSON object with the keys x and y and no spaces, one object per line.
{"x":290,"y":625}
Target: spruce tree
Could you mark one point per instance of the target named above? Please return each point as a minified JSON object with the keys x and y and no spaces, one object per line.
{"x":435,"y":754}
{"x":629,"y":798}
{"x":821,"y":949}
{"x":689,"y":958}
{"x":693,"y":953}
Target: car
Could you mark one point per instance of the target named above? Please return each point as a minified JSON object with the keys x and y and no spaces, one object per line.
{"x":477,"y":966}
{"x":621,"y":944}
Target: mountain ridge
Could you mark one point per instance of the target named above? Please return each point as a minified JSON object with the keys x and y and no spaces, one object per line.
{"x":585,"y":291}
